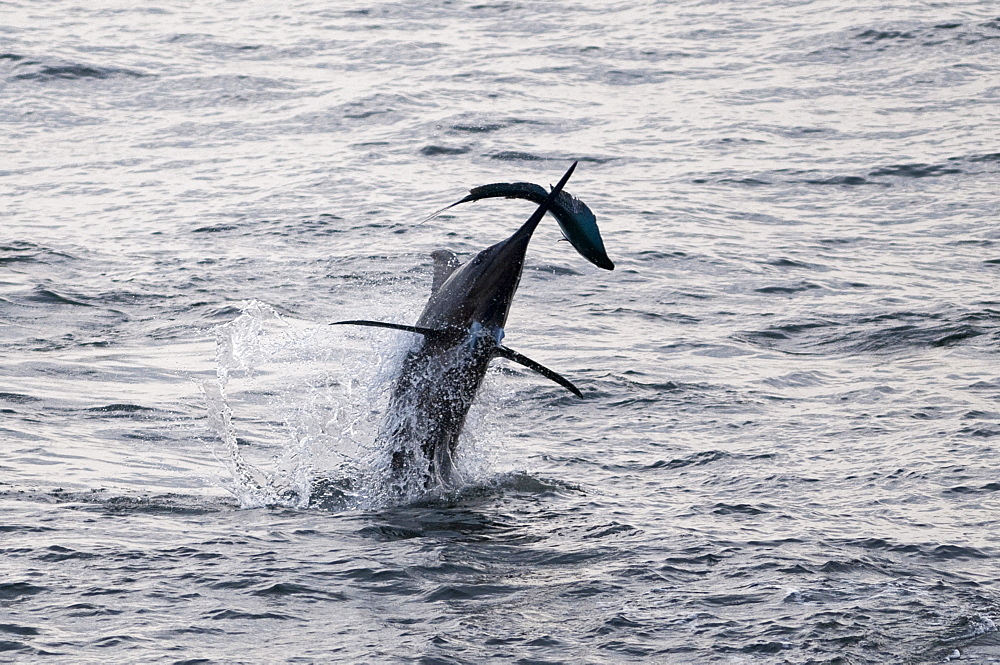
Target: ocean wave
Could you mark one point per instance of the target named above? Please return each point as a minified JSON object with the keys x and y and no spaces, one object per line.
{"x":881,"y":333}
{"x":24,"y":68}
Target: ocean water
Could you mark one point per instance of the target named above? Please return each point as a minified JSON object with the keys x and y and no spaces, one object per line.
{"x":787,"y":446}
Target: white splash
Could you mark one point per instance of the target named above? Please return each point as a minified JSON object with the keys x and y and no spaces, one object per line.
{"x":297,"y":406}
{"x":302,"y":403}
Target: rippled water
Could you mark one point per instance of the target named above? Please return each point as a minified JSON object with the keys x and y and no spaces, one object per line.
{"x":787,"y":448}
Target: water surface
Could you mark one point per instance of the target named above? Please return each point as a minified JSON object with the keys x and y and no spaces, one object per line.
{"x":787,"y":448}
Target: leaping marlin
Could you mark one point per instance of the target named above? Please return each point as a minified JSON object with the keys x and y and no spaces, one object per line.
{"x":462,"y":330}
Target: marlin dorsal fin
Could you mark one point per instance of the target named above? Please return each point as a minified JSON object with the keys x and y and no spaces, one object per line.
{"x":514,"y":356}
{"x":445,"y":262}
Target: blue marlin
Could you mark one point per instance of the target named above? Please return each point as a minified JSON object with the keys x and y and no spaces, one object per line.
{"x":462,"y":330}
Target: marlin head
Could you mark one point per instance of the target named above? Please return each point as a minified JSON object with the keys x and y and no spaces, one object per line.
{"x":577,"y":221}
{"x":481,"y":291}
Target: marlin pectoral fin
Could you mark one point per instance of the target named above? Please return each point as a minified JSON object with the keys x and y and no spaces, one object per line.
{"x":427,"y":332}
{"x":514,"y":356}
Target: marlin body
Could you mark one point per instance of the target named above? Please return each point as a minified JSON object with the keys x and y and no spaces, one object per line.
{"x":462,"y":330}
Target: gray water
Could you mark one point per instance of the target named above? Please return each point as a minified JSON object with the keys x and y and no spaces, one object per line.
{"x":787,"y":446}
